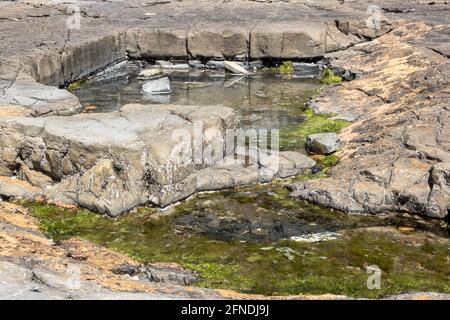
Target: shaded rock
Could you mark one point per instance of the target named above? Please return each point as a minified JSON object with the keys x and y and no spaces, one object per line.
{"x":322,"y":143}
{"x":215,"y":64}
{"x":196,"y":64}
{"x":306,"y":68}
{"x":170,"y":273}
{"x":118,"y":162}
{"x":256,"y":64}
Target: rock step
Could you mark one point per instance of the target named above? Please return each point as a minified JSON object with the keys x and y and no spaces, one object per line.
{"x":140,"y":155}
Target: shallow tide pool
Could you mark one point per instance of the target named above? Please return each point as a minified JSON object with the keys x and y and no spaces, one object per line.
{"x":257,"y":239}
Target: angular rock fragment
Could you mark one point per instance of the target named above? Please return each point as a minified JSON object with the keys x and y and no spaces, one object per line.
{"x":322,"y":143}
{"x":235,"y":68}
{"x":39,"y":100}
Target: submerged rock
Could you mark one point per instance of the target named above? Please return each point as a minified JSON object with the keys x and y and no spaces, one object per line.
{"x":322,"y":143}
{"x":157,"y":86}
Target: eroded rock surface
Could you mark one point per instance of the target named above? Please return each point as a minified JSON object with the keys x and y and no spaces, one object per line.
{"x":34,"y":267}
{"x":109,"y":33}
{"x":395,"y":155}
{"x":113,"y":162}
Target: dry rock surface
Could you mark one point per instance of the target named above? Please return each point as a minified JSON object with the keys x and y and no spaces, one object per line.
{"x":395,"y":154}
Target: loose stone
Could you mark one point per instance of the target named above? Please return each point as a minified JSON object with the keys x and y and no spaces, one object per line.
{"x":322,"y":143}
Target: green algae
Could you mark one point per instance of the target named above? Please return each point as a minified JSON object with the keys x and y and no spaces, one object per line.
{"x":286,"y":68}
{"x":273,"y":268}
{"x":329,"y":77}
{"x":75,"y":85}
{"x":293,"y":137}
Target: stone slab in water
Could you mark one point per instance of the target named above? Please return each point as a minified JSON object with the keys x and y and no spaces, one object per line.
{"x":157,"y":86}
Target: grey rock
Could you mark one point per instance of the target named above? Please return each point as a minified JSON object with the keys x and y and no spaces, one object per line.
{"x":128,"y":158}
{"x":151,"y":73}
{"x":157,"y":86}
{"x":215,"y":64}
{"x":322,"y":143}
{"x":171,"y":65}
{"x":39,"y":99}
{"x":218,"y":42}
{"x":165,"y":273}
{"x":258,"y":64}
{"x":306,"y":68}
{"x":196,"y":64}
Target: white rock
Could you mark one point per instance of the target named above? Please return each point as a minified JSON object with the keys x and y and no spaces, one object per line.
{"x":170,"y":65}
{"x":235,"y":68}
{"x":157,"y":86}
{"x":316,"y":237}
{"x":151,"y":73}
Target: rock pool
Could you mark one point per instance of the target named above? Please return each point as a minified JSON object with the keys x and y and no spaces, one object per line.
{"x":256,"y":239}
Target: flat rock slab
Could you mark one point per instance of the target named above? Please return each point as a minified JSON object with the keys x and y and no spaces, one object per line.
{"x":31,"y":98}
{"x":157,"y":86}
{"x":113,"y":162}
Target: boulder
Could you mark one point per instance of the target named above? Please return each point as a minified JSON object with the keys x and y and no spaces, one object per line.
{"x":322,"y":143}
